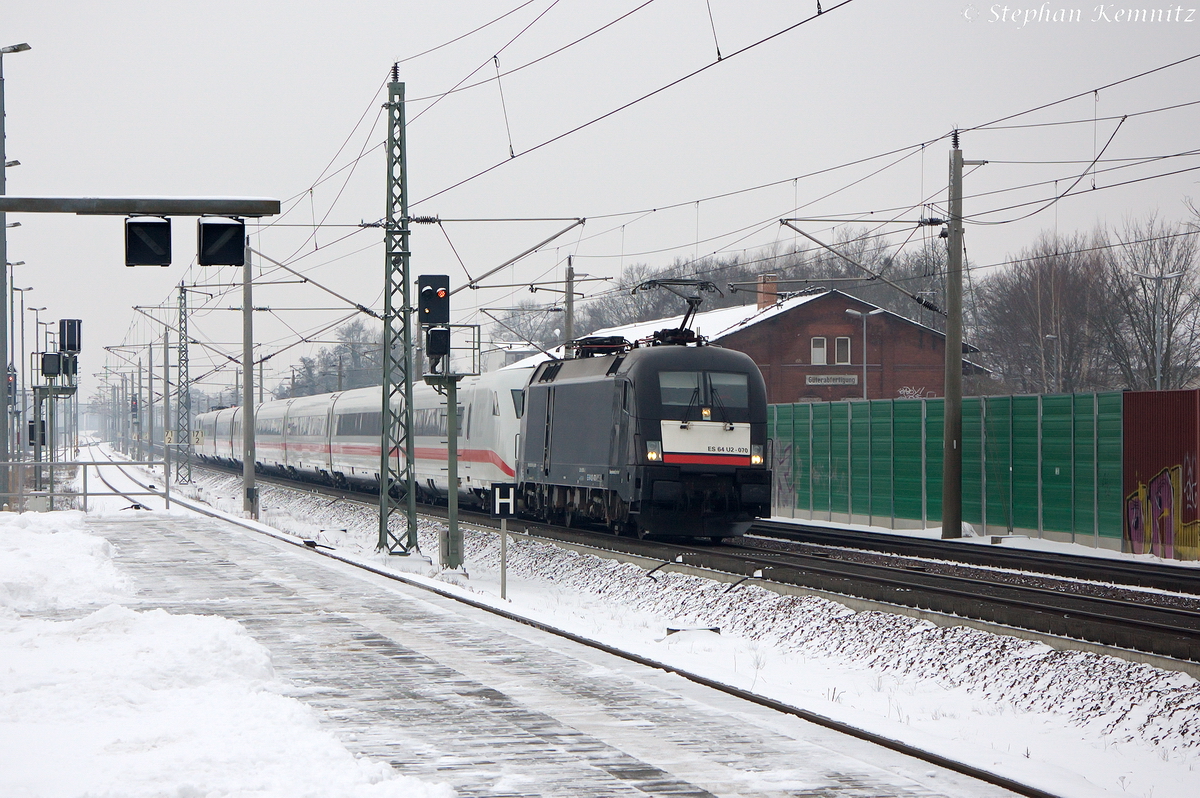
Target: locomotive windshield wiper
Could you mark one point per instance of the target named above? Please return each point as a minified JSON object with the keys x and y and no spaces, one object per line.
{"x":716,"y":396}
{"x":691,"y":403}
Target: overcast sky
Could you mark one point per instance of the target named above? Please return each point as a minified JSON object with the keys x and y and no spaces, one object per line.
{"x":272,"y":97}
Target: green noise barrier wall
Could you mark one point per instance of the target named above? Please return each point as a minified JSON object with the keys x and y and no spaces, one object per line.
{"x":1045,"y":466}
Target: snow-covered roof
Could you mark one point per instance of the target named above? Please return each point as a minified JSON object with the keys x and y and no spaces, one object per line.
{"x":712,"y":324}
{"x":716,"y":324}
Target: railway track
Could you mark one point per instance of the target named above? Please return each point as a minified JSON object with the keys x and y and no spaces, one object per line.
{"x":1057,"y":605}
{"x":1073,"y":566}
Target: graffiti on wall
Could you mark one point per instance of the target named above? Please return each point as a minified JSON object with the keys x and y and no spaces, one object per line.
{"x":781,"y":465}
{"x":1154,"y":511}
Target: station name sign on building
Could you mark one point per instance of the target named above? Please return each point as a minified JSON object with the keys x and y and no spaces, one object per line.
{"x":831,"y":379}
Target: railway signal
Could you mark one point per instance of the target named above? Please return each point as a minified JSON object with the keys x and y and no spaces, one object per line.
{"x":147,"y":241}
{"x":433,"y":299}
{"x":220,"y":241}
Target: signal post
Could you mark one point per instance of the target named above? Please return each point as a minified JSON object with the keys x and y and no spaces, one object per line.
{"x":433,"y":312}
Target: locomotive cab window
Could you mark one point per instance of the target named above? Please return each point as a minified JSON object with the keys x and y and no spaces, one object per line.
{"x":692,"y":388}
{"x":728,"y":389}
{"x":679,"y":388}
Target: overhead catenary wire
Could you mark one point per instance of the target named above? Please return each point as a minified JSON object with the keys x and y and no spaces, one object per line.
{"x":1057,"y":196}
{"x":626,"y":105}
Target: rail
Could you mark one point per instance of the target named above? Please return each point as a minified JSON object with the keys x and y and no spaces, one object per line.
{"x":43,"y":499}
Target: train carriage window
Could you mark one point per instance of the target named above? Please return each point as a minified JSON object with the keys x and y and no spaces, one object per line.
{"x":306,"y":426}
{"x":728,"y":389}
{"x":358,"y":424}
{"x":372,"y":424}
{"x":679,"y":388}
{"x":268,"y":426}
{"x":495,"y":403}
{"x":431,"y":421}
{"x":518,"y":397}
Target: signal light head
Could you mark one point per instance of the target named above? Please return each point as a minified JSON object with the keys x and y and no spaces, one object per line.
{"x":433,"y":299}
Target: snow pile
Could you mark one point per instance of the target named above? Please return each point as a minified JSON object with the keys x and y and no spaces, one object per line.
{"x":134,"y":704}
{"x":47,"y":562}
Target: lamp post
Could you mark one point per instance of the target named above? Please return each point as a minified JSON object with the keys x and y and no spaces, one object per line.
{"x":5,"y":451}
{"x":37,"y":321}
{"x":12,"y":355}
{"x":863,"y":315}
{"x":1158,"y":331}
{"x":9,"y":398}
{"x":15,"y":361}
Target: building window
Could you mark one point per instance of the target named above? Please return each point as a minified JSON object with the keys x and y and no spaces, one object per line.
{"x":818,"y":352}
{"x":842,"y":352}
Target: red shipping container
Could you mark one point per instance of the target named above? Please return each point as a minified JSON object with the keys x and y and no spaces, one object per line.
{"x":1161,"y":443}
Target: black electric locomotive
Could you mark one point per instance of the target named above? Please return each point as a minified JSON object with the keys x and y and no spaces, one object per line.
{"x":661,"y":439}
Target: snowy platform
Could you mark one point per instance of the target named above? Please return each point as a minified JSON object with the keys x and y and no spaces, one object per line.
{"x":447,"y":693}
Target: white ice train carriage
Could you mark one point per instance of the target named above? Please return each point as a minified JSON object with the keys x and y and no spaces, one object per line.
{"x":334,"y":438}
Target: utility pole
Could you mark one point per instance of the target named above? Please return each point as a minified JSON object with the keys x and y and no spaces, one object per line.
{"x":150,"y":399}
{"x":397,"y":390}
{"x":250,"y":500}
{"x":166,"y":409}
{"x":570,"y":320}
{"x":6,"y":482}
{"x":137,"y":431}
{"x":952,"y":421}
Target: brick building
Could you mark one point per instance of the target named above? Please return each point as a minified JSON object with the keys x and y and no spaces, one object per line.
{"x":811,"y":350}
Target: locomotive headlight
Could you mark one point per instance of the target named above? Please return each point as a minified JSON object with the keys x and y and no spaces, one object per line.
{"x":756,"y":457}
{"x":654,"y":451}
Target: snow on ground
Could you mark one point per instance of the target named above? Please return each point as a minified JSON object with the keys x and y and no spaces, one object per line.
{"x":1073,"y":723}
{"x":100,"y":700}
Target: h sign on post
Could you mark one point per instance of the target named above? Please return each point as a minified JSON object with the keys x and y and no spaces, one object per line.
{"x":504,"y":506}
{"x":504,"y":499}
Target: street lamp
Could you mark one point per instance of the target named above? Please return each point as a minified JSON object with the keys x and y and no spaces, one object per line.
{"x":1158,"y":332}
{"x":863,"y":315}
{"x":5,"y":450}
{"x":15,"y":362}
{"x":11,"y":320}
{"x":37,"y":318}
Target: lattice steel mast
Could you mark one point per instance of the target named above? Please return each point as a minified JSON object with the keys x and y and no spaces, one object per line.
{"x":397,"y":413}
{"x":183,"y":401}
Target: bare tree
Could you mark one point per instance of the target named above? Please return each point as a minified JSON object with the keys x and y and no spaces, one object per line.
{"x":353,"y":362}
{"x":1152,"y":324}
{"x":1040,"y":317}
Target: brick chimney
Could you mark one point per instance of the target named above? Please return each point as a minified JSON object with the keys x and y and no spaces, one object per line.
{"x":766,"y":290}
